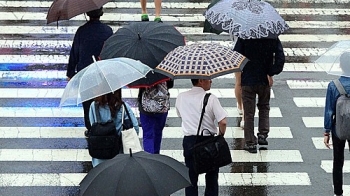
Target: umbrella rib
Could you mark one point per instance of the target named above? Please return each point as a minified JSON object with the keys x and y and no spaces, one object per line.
{"x":104,"y":76}
{"x":80,"y":85}
{"x":150,"y":179}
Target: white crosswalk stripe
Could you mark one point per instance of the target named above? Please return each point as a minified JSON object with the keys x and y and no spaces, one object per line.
{"x":47,"y":46}
{"x":127,"y":92}
{"x":75,"y":132}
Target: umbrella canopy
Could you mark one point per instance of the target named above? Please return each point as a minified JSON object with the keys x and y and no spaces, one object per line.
{"x":102,"y":77}
{"x":148,"y":42}
{"x":330,"y":60}
{"x":136,"y":174}
{"x":67,"y":9}
{"x":247,"y":19}
{"x":201,"y":61}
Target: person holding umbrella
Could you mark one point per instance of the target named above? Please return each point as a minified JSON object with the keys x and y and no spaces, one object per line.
{"x":110,"y":107}
{"x":158,"y":7}
{"x":154,"y":103}
{"x":188,"y":107}
{"x":88,"y":42}
{"x":266,"y":59}
{"x":329,"y":123}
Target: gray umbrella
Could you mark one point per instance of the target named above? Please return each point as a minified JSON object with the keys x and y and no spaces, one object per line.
{"x":148,"y":42}
{"x":139,"y":174}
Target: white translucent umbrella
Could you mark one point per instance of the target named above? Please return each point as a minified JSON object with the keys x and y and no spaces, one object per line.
{"x":102,"y":77}
{"x":330,"y":60}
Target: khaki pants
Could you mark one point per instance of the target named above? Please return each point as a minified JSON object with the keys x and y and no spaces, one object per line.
{"x":249,"y":102}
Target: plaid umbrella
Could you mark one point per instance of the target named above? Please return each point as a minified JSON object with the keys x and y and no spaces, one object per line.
{"x":201,"y":61}
{"x":67,"y":9}
{"x":247,"y":19}
{"x":148,"y":42}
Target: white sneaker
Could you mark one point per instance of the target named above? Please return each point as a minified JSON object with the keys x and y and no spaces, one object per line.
{"x":242,"y":124}
{"x":240,"y":112}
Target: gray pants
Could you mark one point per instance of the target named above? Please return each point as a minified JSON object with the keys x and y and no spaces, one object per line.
{"x":249,"y":101}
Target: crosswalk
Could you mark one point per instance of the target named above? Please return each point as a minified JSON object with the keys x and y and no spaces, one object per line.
{"x":42,"y":146}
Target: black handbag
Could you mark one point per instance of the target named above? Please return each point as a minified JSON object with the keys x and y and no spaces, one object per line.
{"x":103,"y":141}
{"x":209,"y":152}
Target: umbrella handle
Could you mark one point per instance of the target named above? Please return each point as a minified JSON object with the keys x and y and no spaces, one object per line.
{"x":93,"y":58}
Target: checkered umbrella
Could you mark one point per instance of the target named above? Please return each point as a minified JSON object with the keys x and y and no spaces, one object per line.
{"x":201,"y":61}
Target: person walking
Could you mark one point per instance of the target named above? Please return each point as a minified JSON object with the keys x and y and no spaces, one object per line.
{"x":329,"y":123}
{"x":154,"y":104}
{"x":189,"y":107}
{"x":266,"y":59}
{"x":110,"y":107}
{"x":158,"y":7}
{"x":238,"y":95}
{"x":88,"y":42}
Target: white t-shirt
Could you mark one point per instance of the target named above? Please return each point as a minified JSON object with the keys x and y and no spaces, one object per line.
{"x":189,"y":107}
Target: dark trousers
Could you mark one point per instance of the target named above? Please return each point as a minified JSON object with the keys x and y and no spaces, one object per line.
{"x":152,"y":127}
{"x":211,"y":178}
{"x":249,"y":103}
{"x":86,"y":107}
{"x":338,"y":163}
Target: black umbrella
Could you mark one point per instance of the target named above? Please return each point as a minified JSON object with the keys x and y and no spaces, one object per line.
{"x":207,"y":28}
{"x":139,"y":174}
{"x":148,"y":42}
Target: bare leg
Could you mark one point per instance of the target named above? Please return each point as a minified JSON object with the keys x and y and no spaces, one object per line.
{"x":158,"y":7}
{"x":238,"y":90}
{"x":143,"y":6}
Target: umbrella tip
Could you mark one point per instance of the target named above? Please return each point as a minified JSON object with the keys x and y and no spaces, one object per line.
{"x":93,"y":58}
{"x":130,"y":152}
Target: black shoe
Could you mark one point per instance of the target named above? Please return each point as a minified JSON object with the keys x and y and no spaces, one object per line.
{"x":262,"y":140}
{"x":250,"y":148}
{"x":87,"y":133}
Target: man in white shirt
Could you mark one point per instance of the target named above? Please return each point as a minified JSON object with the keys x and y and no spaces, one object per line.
{"x":189,"y":107}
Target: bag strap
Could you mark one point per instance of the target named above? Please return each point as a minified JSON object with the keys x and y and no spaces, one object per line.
{"x":122,"y":116}
{"x":127,"y":112}
{"x":97,"y":112}
{"x":205,"y":102}
{"x":340,"y":87}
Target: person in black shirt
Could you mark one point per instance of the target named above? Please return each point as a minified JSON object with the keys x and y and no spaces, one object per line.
{"x":88,"y":42}
{"x":266,"y":59}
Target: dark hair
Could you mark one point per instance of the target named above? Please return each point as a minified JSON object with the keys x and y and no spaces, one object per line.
{"x":345,"y":62}
{"x":113,"y":100}
{"x":95,"y":13}
{"x":194,"y":81}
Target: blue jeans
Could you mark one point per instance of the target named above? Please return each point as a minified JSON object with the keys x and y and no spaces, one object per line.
{"x":152,"y":126}
{"x":211,"y":178}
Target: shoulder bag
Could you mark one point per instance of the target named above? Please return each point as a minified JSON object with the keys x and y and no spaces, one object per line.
{"x":209,"y":152}
{"x":130,"y":139}
{"x":103,"y":141}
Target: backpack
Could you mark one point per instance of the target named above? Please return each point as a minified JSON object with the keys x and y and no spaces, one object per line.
{"x":103,"y":141}
{"x":156,"y":99}
{"x":342,"y":113}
